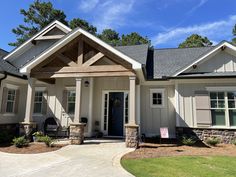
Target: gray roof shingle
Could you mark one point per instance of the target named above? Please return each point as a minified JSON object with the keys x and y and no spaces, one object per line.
{"x":169,"y":61}
{"x":8,"y":68}
{"x":136,"y":52}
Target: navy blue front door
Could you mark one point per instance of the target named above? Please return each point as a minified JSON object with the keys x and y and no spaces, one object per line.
{"x":116,"y":114}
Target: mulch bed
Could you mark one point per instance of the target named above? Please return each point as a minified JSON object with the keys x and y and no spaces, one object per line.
{"x":164,"y":150}
{"x":33,"y":148}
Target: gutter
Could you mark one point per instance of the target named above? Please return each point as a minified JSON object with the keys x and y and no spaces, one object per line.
{"x":4,"y":77}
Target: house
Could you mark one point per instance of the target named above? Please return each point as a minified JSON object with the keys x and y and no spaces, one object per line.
{"x":119,"y":91}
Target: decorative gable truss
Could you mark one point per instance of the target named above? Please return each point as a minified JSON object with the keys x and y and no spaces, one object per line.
{"x":82,"y":57}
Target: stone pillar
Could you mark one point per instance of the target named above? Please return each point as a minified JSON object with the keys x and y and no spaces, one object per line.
{"x":132,"y":129}
{"x":132,"y":134}
{"x":77,"y":128}
{"x":28,"y":126}
{"x":77,"y":133}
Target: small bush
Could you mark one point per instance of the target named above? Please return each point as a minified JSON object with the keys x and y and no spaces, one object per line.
{"x":213,"y":141}
{"x":234,"y":142}
{"x":38,"y":133}
{"x":20,"y":142}
{"x":189,"y":141}
{"x":46,"y":139}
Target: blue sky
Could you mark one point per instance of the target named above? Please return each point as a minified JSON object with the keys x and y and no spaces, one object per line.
{"x":165,"y":22}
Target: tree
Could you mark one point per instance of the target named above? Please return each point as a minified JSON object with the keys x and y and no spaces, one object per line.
{"x":134,"y":39}
{"x":77,"y":22}
{"x":39,"y":15}
{"x":110,"y":36}
{"x":195,"y":40}
{"x":234,"y":34}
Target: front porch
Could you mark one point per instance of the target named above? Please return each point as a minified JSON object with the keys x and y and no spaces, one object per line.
{"x":83,"y":82}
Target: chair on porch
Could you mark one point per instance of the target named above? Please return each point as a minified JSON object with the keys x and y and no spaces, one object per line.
{"x":51,"y":126}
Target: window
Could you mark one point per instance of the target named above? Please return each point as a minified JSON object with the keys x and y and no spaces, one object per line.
{"x":231,"y":107}
{"x":157,"y":98}
{"x":217,"y":108}
{"x":11,"y":98}
{"x":38,"y":102}
{"x":126,"y":108}
{"x":71,"y":102}
{"x":223,"y":108}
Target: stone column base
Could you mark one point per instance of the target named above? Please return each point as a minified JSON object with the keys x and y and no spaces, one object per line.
{"x":77,"y":133}
{"x":131,"y":136}
{"x":27,"y":128}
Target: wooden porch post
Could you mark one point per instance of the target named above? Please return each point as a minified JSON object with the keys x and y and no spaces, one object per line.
{"x":77,"y":128}
{"x":30,"y":100}
{"x":78,"y":100}
{"x":28,"y":125}
{"x":132,"y":129}
{"x":132,"y":103}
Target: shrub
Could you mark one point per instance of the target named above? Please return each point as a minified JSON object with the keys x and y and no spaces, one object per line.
{"x":213,"y":141}
{"x":46,"y":139}
{"x":38,"y":136}
{"x":20,"y":142}
{"x":189,"y":141}
{"x":234,"y":142}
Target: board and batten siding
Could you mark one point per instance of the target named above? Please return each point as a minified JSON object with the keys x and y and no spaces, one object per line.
{"x":154,"y":118}
{"x":106,"y":84}
{"x":221,"y":62}
{"x":187,"y":102}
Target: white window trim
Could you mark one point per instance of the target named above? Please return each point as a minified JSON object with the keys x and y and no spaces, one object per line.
{"x":39,"y":89}
{"x":11,"y":86}
{"x":14,"y":101}
{"x":227,"y":118}
{"x":72,"y":89}
{"x":157,"y":90}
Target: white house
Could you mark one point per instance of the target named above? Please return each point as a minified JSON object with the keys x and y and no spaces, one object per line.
{"x":121,"y":91}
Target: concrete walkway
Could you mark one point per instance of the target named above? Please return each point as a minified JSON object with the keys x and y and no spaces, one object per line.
{"x":96,"y":158}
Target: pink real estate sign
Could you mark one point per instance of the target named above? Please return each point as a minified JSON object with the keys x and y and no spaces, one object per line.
{"x":164,"y":132}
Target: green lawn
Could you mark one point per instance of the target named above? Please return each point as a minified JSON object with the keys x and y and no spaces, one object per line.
{"x":182,"y":167}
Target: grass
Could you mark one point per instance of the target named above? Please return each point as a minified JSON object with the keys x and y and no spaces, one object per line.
{"x":189,"y":166}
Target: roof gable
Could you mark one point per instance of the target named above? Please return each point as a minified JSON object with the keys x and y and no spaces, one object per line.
{"x":55,"y":24}
{"x":68,"y":38}
{"x":205,"y":56}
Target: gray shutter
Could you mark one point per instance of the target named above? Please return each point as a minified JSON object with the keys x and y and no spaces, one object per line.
{"x":203,"y":111}
{"x":4,"y":100}
{"x":64,"y":100}
{"x":17,"y":97}
{"x":45,"y":103}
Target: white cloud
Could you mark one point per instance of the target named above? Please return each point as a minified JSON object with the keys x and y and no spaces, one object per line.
{"x":201,"y":3}
{"x":88,"y":5}
{"x":215,"y":31}
{"x":112,"y":13}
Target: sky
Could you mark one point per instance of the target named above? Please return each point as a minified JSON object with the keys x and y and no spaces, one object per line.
{"x":166,"y":22}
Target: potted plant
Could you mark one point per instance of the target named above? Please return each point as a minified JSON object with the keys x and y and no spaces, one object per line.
{"x":36,"y":135}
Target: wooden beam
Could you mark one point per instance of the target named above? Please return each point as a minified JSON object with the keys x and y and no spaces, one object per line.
{"x":49,"y":37}
{"x":76,"y":75}
{"x":80,"y":52}
{"x":66,"y":60}
{"x":90,"y":69}
{"x":107,"y":53}
{"x":92,"y":60}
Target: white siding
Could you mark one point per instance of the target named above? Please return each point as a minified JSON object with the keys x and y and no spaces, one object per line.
{"x":154,"y":118}
{"x":221,"y":62}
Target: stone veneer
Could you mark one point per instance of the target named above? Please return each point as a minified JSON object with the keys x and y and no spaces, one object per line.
{"x":225,"y":135}
{"x":77,"y":133}
{"x":27,"y":128}
{"x":132,"y":136}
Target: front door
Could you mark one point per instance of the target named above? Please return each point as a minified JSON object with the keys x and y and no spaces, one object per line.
{"x":116,"y":114}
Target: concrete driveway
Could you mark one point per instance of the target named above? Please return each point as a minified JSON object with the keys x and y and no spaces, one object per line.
{"x":94,"y":158}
